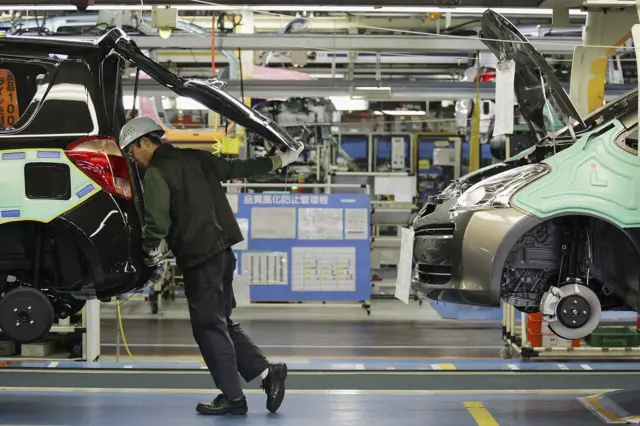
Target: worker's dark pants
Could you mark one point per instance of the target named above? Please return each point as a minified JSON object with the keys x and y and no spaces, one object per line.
{"x":225,"y":348}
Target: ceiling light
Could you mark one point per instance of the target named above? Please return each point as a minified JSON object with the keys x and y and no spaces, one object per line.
{"x":373,"y":88}
{"x":346,"y":103}
{"x":399,"y":112}
{"x":165,"y":33}
{"x":326,"y":75}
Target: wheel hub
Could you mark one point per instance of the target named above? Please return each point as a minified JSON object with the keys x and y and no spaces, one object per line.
{"x":26,"y":314}
{"x":573,"y":311}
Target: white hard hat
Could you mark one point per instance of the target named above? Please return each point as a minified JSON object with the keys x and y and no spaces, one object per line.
{"x":138,"y":127}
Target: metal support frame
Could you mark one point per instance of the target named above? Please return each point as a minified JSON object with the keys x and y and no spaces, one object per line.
{"x":385,"y":249}
{"x":517,"y":341}
{"x":398,"y":89}
{"x":373,"y":143}
{"x":342,"y":42}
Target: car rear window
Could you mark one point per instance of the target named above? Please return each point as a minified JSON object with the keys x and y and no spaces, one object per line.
{"x":19,"y":84}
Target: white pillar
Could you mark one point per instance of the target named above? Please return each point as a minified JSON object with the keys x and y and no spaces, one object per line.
{"x":589,"y":67}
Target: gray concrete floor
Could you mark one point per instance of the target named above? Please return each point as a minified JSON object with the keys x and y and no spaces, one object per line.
{"x":392,"y":330}
{"x":337,"y":409}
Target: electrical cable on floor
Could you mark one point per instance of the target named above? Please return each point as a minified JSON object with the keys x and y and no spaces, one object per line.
{"x":122,"y":334}
{"x":119,"y":313}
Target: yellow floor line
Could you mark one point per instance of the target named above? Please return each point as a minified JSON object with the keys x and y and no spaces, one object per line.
{"x":445,"y":366}
{"x":480,"y":414}
{"x":603,"y":412}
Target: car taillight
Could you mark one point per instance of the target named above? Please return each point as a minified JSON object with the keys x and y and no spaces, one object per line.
{"x":101,"y":159}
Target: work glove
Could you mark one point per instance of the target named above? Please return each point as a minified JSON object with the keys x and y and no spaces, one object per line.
{"x":289,"y":156}
{"x":152,"y":256}
{"x":158,"y":273}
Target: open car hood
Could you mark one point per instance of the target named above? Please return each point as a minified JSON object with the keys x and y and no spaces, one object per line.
{"x":543,"y":102}
{"x":209,"y":94}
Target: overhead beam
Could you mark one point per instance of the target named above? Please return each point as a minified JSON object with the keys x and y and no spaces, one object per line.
{"x":398,"y":89}
{"x":346,"y":42}
{"x":240,"y":3}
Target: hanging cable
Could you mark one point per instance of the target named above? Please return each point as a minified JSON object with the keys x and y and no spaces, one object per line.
{"x":213,"y":45}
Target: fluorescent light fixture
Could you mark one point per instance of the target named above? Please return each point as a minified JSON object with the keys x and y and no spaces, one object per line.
{"x":189,"y":104}
{"x":326,"y":75}
{"x":399,"y":112}
{"x":373,"y":88}
{"x":346,"y":103}
{"x":609,"y":3}
{"x":181,"y":103}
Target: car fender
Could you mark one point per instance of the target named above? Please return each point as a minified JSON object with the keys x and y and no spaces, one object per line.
{"x":593,"y":177}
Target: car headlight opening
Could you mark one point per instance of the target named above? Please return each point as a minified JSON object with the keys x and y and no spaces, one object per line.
{"x":496,"y":191}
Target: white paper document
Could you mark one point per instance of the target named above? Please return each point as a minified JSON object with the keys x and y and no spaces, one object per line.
{"x":320,"y":224}
{"x":505,"y":95}
{"x":265,"y":268}
{"x":323,"y":269}
{"x":273,"y":222}
{"x":403,"y":281}
{"x":356,"y":224}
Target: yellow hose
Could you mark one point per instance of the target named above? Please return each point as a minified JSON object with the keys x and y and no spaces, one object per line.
{"x":124,"y":339}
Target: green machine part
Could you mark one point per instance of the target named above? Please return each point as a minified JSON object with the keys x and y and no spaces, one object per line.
{"x":593,"y":177}
{"x":16,"y":205}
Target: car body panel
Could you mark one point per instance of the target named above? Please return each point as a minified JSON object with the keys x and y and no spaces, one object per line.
{"x":103,"y":232}
{"x":470,"y":255}
{"x":594,"y":176}
{"x":16,"y":205}
{"x":209,"y":94}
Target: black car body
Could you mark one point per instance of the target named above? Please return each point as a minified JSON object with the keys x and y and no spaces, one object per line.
{"x":69,"y":98}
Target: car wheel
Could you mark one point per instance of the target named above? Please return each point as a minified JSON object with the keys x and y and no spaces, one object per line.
{"x":26,"y":314}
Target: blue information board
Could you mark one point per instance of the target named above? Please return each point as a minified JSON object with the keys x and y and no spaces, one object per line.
{"x":305,"y":247}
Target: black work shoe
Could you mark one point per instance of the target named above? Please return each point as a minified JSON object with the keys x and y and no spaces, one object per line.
{"x":273,"y":385}
{"x":222,"y":406}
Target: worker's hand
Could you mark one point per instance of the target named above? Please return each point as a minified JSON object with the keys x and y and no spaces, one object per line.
{"x":159,"y":272}
{"x":152,"y":256}
{"x":288,"y":156}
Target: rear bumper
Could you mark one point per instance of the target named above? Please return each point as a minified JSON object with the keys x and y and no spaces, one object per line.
{"x":460,"y":259}
{"x":106,"y":233}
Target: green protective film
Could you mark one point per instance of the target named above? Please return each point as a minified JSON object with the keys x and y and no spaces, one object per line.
{"x":14,"y":203}
{"x":594,"y":176}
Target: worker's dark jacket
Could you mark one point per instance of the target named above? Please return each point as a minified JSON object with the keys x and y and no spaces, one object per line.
{"x":186,"y":204}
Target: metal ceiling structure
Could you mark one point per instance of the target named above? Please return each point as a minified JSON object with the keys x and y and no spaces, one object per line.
{"x":266,"y":4}
{"x":355,"y":42}
{"x":369,"y":88}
